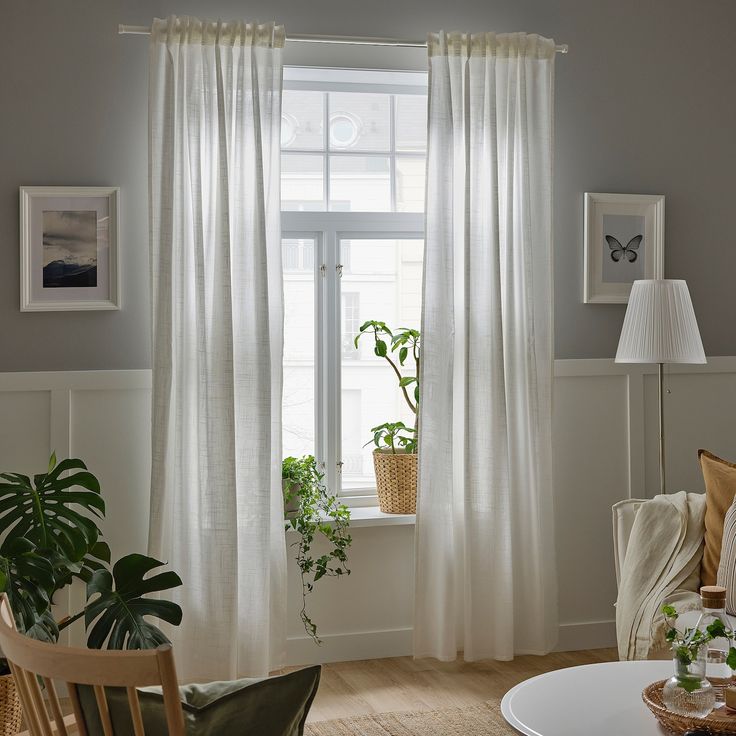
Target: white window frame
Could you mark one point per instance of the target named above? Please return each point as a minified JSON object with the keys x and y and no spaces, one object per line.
{"x":328,"y":229}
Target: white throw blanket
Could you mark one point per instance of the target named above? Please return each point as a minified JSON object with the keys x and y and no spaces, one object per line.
{"x":662,"y":564}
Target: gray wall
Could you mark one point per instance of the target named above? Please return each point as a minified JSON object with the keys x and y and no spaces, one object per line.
{"x":646,"y":103}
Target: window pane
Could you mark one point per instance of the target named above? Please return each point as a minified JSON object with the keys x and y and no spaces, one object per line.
{"x":298,"y":398}
{"x":411,"y":122}
{"x":302,"y":182}
{"x":298,"y":255}
{"x":360,"y":184}
{"x":302,"y":120}
{"x":410,"y":183}
{"x":384,"y":283}
{"x":360,"y":122}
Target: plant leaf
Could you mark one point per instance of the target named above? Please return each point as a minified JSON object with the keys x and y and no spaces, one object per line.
{"x":26,"y":576}
{"x":41,"y":511}
{"x":118,"y":615}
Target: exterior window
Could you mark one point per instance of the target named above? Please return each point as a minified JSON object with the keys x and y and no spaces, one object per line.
{"x":298,"y":255}
{"x":350,"y":323}
{"x":352,"y":184}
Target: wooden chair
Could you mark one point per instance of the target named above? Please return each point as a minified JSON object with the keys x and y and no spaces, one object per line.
{"x":30,"y":660}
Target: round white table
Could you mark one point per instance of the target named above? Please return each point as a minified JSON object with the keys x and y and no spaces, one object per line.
{"x":590,"y":700}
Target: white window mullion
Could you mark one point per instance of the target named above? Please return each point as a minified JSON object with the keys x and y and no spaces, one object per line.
{"x":320,"y":392}
{"x":392,"y":144}
{"x":326,"y":149}
{"x":332,"y":361}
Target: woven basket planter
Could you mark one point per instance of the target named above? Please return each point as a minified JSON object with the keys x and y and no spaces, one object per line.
{"x":10,"y":712}
{"x":396,"y":481}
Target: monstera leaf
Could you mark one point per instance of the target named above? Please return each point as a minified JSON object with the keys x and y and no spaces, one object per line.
{"x":117,"y":616}
{"x":55,"y":513}
{"x":27,"y":577}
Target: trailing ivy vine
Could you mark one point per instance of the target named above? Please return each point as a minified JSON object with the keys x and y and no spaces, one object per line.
{"x":316,"y":513}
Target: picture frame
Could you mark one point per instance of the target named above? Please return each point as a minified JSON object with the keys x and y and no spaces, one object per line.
{"x":69,"y":249}
{"x":624,"y":241}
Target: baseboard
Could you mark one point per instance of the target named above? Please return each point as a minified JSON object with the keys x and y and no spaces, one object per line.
{"x":586,"y":635}
{"x":398,"y":643}
{"x":352,"y":646}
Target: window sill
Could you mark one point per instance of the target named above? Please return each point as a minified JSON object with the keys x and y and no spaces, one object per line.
{"x":373,"y":516}
{"x":364,"y":516}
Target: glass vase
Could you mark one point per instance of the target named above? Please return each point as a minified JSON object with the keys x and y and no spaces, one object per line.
{"x":689,"y":693}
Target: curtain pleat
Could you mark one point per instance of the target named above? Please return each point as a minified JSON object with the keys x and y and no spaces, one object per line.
{"x":485,"y":565}
{"x":216,"y":504}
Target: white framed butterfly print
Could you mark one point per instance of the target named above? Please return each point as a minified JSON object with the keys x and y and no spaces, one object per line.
{"x":624,"y":241}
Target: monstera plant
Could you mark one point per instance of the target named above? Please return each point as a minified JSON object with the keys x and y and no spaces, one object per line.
{"x":51,"y":536}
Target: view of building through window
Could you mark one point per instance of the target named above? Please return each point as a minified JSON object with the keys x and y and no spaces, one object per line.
{"x":344,"y":154}
{"x":348,"y":152}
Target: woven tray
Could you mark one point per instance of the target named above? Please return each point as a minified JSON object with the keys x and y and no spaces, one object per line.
{"x":719,"y":723}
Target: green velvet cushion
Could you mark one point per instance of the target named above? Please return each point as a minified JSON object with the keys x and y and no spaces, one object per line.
{"x":274,"y":706}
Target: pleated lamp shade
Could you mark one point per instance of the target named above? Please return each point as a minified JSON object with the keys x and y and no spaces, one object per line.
{"x":660,"y":325}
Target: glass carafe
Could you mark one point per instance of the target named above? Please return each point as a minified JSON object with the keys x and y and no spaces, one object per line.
{"x":717,"y":671}
{"x":689,"y":693}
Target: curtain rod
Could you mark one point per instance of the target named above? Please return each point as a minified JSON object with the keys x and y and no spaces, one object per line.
{"x":307,"y":38}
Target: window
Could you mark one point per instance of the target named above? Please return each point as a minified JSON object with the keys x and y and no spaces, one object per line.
{"x":352,"y":184}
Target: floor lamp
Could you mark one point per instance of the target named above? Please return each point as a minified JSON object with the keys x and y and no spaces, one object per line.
{"x":660,"y":327}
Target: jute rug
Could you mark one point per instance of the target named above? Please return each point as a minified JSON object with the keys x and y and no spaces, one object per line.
{"x":477,"y":720}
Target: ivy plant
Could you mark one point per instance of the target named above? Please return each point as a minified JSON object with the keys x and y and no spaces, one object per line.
{"x":51,"y":537}
{"x":318,"y":514}
{"x":401,"y":349}
{"x":686,"y":644}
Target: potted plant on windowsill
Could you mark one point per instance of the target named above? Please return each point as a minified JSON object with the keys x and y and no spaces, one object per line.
{"x":311,"y":512}
{"x":395,"y":456}
{"x":50,"y":532}
{"x":395,"y":464}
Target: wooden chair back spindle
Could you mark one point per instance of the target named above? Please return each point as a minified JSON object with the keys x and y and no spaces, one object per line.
{"x":30,"y":659}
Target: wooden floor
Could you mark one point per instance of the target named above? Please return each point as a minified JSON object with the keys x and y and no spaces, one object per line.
{"x":402,"y":683}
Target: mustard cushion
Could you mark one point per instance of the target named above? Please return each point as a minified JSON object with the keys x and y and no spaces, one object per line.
{"x":720,"y":489}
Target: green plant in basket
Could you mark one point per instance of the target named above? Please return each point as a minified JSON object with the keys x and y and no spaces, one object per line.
{"x":316,"y":513}
{"x":394,"y":435}
{"x":51,"y":536}
{"x":398,"y":347}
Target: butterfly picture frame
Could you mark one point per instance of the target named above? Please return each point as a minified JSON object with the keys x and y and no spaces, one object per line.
{"x":624,"y":241}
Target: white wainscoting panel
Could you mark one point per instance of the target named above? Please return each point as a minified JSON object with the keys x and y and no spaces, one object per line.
{"x":24,"y":430}
{"x":591,"y":473}
{"x":700,"y":412}
{"x":111,"y":427}
{"x":605,"y":443}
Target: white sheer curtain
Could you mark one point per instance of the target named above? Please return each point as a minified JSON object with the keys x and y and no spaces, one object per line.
{"x":216,"y":505}
{"x":485,"y":569}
